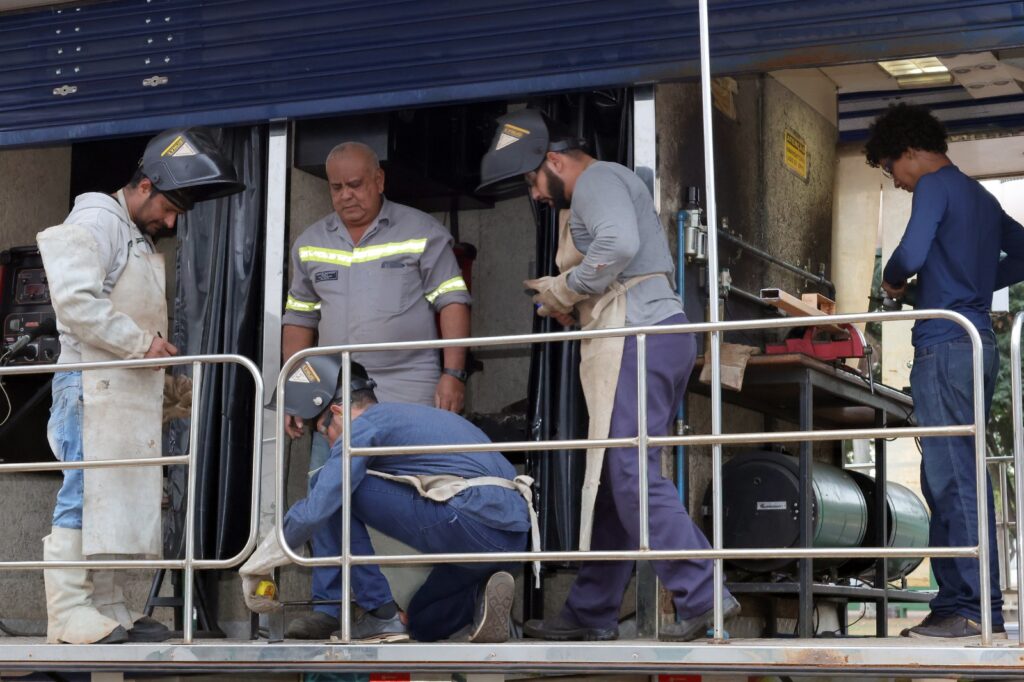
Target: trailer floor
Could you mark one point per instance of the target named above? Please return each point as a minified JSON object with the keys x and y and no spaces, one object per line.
{"x":832,"y":656}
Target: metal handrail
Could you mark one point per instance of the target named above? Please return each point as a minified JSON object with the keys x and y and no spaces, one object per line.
{"x":1018,"y":453}
{"x":346,"y":560}
{"x":189,"y":564}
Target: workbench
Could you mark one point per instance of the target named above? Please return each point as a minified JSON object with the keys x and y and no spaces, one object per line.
{"x":813,"y":394}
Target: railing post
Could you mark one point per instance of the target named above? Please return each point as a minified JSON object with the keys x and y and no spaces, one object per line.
{"x":641,"y":418}
{"x":346,"y":498}
{"x":716,"y":369}
{"x":1018,"y":457}
{"x":981,"y":474}
{"x":190,"y":505}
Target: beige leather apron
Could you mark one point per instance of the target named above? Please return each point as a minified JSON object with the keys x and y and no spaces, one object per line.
{"x":121,"y":420}
{"x":443,"y":487}
{"x":600,"y":361}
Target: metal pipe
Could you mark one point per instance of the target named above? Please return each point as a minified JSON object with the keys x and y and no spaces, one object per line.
{"x":93,"y":464}
{"x":1018,"y":455}
{"x":716,"y":341}
{"x":1004,"y":524}
{"x":981,"y":473}
{"x":643,"y":436}
{"x":680,"y":451}
{"x":346,"y":498}
{"x":190,"y":505}
{"x":549,"y":337}
{"x":753,"y":298}
{"x":647,"y":555}
{"x":817,"y":278}
{"x":659,"y":441}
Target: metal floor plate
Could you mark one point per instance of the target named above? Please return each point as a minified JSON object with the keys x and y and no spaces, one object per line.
{"x":855,"y":656}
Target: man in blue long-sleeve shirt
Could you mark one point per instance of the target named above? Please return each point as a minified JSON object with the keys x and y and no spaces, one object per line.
{"x":436,"y":503}
{"x":954,"y":243}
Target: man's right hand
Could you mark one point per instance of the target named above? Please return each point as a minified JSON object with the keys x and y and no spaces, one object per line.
{"x":293,"y":425}
{"x":161,"y":348}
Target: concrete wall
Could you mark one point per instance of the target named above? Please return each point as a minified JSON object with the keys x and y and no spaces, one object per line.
{"x":764,"y":202}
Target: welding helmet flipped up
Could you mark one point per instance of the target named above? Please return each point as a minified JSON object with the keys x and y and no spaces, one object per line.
{"x":187,"y":166}
{"x":316,"y":383}
{"x":520,"y":143}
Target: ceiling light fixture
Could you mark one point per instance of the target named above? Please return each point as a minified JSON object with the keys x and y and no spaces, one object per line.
{"x":913,"y":67}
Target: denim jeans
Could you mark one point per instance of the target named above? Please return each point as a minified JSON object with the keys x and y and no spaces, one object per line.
{"x":446,"y":600}
{"x":326,"y":579}
{"x":942,"y":383}
{"x":64,"y":432}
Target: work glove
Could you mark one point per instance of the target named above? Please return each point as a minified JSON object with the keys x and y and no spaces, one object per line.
{"x":554,"y":295}
{"x":177,"y":397}
{"x":268,"y":556}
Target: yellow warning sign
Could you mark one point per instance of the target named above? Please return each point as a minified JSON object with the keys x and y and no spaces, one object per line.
{"x":795,"y":154}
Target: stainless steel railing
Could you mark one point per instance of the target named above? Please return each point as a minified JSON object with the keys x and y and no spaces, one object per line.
{"x":1018,"y":455}
{"x":189,"y":564}
{"x":642,"y":442}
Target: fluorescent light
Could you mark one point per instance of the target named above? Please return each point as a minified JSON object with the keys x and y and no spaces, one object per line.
{"x":913,"y":67}
{"x":924,"y":80}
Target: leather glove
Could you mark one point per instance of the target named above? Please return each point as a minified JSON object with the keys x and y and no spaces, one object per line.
{"x":554,"y":294}
{"x":177,"y":397}
{"x":268,"y":556}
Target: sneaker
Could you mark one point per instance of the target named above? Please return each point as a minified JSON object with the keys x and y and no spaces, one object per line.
{"x":559,"y":629}
{"x":494,"y":610}
{"x":369,"y":629}
{"x":148,"y":629}
{"x":932,"y":618}
{"x":955,"y":627}
{"x":689,"y":629}
{"x":314,"y":625}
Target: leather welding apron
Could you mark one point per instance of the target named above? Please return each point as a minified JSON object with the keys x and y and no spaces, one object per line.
{"x":121,"y":420}
{"x":600,"y":361}
{"x":443,"y":487}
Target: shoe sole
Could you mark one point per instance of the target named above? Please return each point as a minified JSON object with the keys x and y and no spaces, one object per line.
{"x":708,"y":624}
{"x":580,"y":635}
{"x":973,"y":639}
{"x":499,"y":593}
{"x":387,"y":638}
{"x":152,"y":637}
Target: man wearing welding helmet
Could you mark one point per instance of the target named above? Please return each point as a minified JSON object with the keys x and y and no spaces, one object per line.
{"x":107,"y":286}
{"x":436,"y":503}
{"x":615,"y":273}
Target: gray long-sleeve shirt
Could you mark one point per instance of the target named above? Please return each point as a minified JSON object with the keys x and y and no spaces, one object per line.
{"x":614,"y":224}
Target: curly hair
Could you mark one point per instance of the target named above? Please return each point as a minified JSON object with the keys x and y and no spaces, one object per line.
{"x":903,"y":127}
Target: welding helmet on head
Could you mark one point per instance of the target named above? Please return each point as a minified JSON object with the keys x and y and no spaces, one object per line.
{"x":187,"y":166}
{"x":316,"y":383}
{"x":520,"y":143}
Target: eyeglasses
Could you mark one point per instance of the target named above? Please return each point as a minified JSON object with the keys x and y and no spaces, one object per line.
{"x":887,"y":168}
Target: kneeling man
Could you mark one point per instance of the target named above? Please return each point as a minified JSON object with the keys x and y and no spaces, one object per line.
{"x":436,"y":503}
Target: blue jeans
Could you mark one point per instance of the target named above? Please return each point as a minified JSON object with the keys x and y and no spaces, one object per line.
{"x":64,"y":432}
{"x":942,"y":383}
{"x":326,"y":579}
{"x":445,"y":602}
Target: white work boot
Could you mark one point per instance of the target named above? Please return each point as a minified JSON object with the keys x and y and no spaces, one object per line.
{"x":70,"y":614}
{"x":108,"y":598}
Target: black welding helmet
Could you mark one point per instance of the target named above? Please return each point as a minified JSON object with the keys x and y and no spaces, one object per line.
{"x":187,"y":166}
{"x":316,"y":383}
{"x":520,"y":142}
